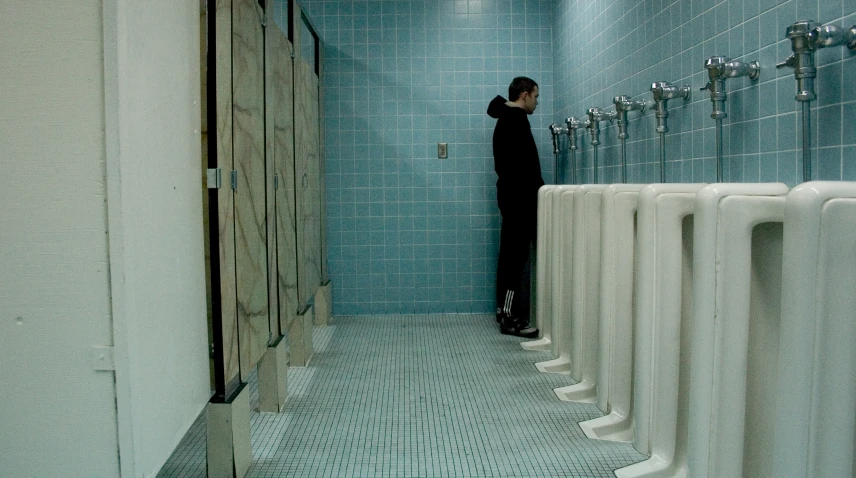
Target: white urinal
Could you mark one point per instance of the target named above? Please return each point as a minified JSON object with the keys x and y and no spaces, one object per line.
{"x":816,"y":408}
{"x":560,"y":269}
{"x":734,"y":335}
{"x":585,"y":282}
{"x":617,"y":271}
{"x":661,"y":352}
{"x":543,"y":278}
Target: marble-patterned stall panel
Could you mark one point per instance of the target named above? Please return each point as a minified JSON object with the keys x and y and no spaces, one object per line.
{"x":250,"y":201}
{"x":271,"y":178}
{"x":283,"y":158}
{"x":225,"y":197}
{"x":307,"y":169}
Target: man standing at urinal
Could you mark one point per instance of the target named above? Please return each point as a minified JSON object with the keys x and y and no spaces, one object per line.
{"x":517,"y":164}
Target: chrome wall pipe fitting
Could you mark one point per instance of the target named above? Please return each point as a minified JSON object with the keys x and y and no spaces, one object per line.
{"x":806,"y":37}
{"x":624,"y":104}
{"x":719,"y":69}
{"x":556,"y":130}
{"x":802,"y":58}
{"x":663,"y":92}
{"x":595,"y":116}
{"x":831,"y":35}
{"x":573,"y":124}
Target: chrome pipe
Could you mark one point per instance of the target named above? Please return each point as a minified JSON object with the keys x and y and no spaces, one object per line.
{"x":595,"y":116}
{"x":624,"y":160}
{"x":806,"y":37}
{"x":624,"y":104}
{"x":718,"y":149}
{"x":555,"y":131}
{"x":806,"y":137}
{"x":663,"y":92}
{"x":594,"y":162}
{"x":572,"y":160}
{"x":572,"y":124}
{"x":720,"y":68}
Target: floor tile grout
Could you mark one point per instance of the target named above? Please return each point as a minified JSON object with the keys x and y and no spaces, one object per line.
{"x":441,"y":395}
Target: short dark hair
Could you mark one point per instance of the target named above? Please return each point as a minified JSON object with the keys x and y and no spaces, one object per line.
{"x":520,"y":85}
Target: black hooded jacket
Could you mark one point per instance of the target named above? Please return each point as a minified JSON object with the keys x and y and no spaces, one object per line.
{"x":515,"y":158}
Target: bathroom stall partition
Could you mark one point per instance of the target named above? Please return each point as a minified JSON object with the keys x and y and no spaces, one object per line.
{"x":617,"y":306}
{"x":308,"y":183}
{"x":250,"y":183}
{"x":661,"y":354}
{"x":307,"y":167}
{"x":265,"y":210}
{"x":282,"y":242}
{"x":281,"y":126}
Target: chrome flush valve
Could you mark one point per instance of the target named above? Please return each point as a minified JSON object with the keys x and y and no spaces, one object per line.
{"x":555,"y":130}
{"x":719,"y":69}
{"x":623,"y":104}
{"x":595,"y":116}
{"x":802,"y":58}
{"x":573,"y":124}
{"x":807,"y":36}
{"x":663,"y":92}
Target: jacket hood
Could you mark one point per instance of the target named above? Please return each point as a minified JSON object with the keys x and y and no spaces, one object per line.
{"x":498,"y":108}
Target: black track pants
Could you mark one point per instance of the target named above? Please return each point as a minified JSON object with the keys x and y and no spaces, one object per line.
{"x":516,"y":236}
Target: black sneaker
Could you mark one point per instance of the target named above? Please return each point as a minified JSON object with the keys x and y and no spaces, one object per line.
{"x":512,"y":325}
{"x":498,"y":315}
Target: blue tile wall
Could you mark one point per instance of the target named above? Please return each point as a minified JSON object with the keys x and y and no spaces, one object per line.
{"x":606,"y":47}
{"x":408,"y":232}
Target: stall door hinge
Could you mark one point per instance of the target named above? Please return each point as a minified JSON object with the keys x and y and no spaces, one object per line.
{"x":215,"y":178}
{"x":234,"y":180}
{"x":275,"y":182}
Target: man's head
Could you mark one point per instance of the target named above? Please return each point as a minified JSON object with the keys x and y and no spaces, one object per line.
{"x":524,"y":92}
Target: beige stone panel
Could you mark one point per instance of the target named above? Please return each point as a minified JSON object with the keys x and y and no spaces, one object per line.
{"x":283,"y":121}
{"x":250,"y":206}
{"x":300,"y":346}
{"x":273,"y":377}
{"x":324,"y":305}
{"x":229,"y":448}
{"x":225,"y":197}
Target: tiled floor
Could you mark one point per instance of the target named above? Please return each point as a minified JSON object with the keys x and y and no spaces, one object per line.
{"x":418,"y":396}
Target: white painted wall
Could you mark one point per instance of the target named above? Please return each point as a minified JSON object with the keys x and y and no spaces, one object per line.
{"x":57,"y":414}
{"x":155,"y":222}
{"x":99,"y":133}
